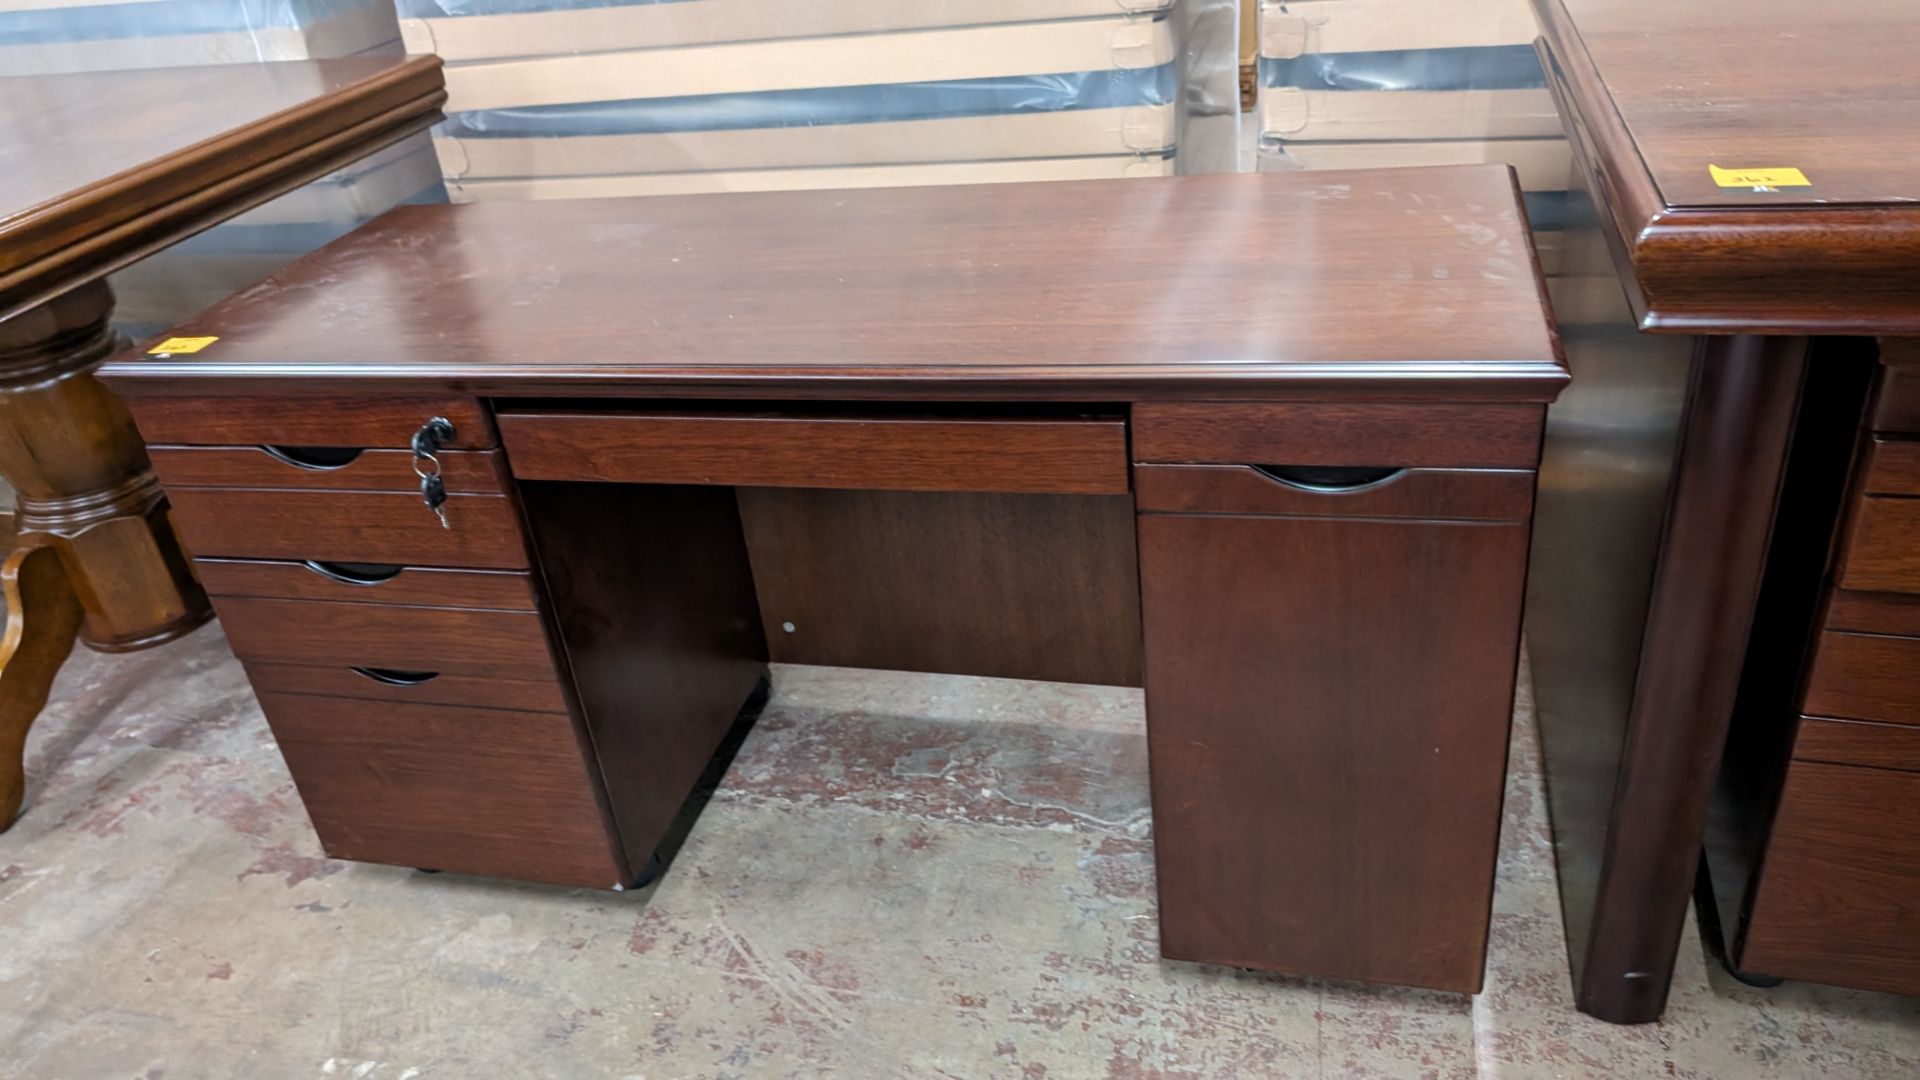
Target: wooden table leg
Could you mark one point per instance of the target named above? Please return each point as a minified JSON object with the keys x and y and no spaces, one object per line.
{"x":86,"y":495}
{"x":43,"y":618}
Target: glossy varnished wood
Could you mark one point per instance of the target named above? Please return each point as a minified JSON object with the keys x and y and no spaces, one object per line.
{"x":465,"y":472}
{"x":1654,"y":92}
{"x":1477,"y":494}
{"x":431,"y":586}
{"x":42,"y":620}
{"x":106,"y":167}
{"x":1883,"y":546}
{"x":1865,"y":677}
{"x":350,"y":526}
{"x":1834,"y":901}
{"x":1084,"y":456}
{"x":1027,"y":290}
{"x":507,"y":644}
{"x":1012,"y":586}
{"x":488,"y":691}
{"x":1858,"y":742}
{"x":381,"y":421}
{"x":1893,"y":467}
{"x":1873,"y":613}
{"x":652,"y":595}
{"x":1430,"y":434}
{"x":479,"y":791}
{"x":1328,"y":705}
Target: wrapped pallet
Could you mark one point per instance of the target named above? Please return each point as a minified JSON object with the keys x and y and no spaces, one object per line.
{"x":44,"y":37}
{"x":1347,"y":84}
{"x":554,"y":99}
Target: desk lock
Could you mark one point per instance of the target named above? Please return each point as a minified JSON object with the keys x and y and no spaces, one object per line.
{"x":432,"y":435}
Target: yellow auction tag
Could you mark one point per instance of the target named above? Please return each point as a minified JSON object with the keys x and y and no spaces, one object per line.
{"x":1758,"y":179}
{"x":182,"y":345}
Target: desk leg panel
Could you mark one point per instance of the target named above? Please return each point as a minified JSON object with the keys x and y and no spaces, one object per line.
{"x":1328,"y":704}
{"x":653,"y":597}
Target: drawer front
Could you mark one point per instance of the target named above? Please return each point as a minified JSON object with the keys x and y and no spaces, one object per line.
{"x":1897,"y":402}
{"x":408,"y":687}
{"x":1439,"y":435}
{"x":349,"y":526}
{"x":475,"y":791}
{"x":1065,"y":455}
{"x":1836,"y":898}
{"x":1873,"y":613}
{"x":1864,"y":677}
{"x":465,"y":472}
{"x":364,"y":583}
{"x":1465,"y":494}
{"x":1893,"y":467}
{"x":1858,"y":742}
{"x":503,"y":644}
{"x":336,"y":420}
{"x":1883,"y":546}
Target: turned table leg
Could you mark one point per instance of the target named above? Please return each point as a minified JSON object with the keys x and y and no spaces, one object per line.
{"x":85,"y":495}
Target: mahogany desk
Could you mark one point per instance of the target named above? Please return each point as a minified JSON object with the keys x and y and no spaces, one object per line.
{"x":1693,"y":478}
{"x":1264,"y":443}
{"x":102,"y":170}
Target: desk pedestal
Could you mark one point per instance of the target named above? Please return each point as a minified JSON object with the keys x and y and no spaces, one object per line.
{"x":96,"y":555}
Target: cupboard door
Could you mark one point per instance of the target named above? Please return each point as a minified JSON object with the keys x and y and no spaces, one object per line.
{"x":1328,"y":703}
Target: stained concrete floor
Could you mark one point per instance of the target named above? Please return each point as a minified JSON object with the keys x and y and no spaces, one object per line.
{"x":900,"y":876}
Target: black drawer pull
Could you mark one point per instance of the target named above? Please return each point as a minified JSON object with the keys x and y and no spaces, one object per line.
{"x":354,"y":573}
{"x":393,"y":677}
{"x":1330,"y":479}
{"x":314,"y":458}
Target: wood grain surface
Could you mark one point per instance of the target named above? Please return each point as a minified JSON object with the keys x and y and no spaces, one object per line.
{"x":1478,"y":494}
{"x":1652,"y":93}
{"x":465,"y":472}
{"x":1010,"y":586}
{"x":1858,"y":742}
{"x":373,"y":420}
{"x":1431,"y":434}
{"x":106,"y":167}
{"x":1421,"y":279}
{"x":476,"y":791}
{"x":431,"y":586}
{"x":508,"y":644}
{"x":350,"y":526}
{"x":1864,"y":677}
{"x":1327,"y":709}
{"x":881,"y":452}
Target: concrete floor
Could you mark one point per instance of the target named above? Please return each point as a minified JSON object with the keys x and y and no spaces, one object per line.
{"x":901,"y":876}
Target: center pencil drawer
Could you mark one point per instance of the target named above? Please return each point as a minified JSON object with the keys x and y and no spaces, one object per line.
{"x":501,"y":644}
{"x":479,"y":791}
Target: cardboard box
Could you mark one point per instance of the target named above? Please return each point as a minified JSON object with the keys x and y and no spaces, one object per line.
{"x":1294,"y":114}
{"x":1146,"y":129}
{"x":81,"y":35}
{"x":856,"y":60}
{"x":1290,"y":28}
{"x":616,"y":26}
{"x":966,"y":172}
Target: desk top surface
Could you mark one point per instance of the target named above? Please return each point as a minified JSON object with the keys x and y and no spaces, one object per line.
{"x":101,"y":162}
{"x":1659,"y":93}
{"x":1421,"y":278}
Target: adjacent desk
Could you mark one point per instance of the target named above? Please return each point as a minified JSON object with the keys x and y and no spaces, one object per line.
{"x":1262,"y":443}
{"x":102,"y":170}
{"x":1750,"y":173}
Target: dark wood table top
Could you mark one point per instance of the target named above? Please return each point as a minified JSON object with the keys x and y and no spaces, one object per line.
{"x":1365,"y":283}
{"x":1655,"y":92}
{"x":104,"y":168}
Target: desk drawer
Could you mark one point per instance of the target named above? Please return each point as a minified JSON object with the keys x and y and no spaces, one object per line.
{"x":476,"y":791}
{"x":1437,"y":435}
{"x":502,"y":644}
{"x":1883,"y":546}
{"x":1465,"y":494}
{"x":1865,"y":677}
{"x":368,"y":583}
{"x":349,"y":526}
{"x":409,"y":687}
{"x":1858,"y":742}
{"x":306,"y":420}
{"x":1835,"y":899}
{"x":1064,"y":455}
{"x":466,"y":472}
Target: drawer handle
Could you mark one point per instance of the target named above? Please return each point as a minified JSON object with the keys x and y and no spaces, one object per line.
{"x":1330,"y":479}
{"x":354,"y":573}
{"x":314,"y":458}
{"x":393,"y":677}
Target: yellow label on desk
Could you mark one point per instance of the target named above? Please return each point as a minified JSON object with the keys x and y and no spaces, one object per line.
{"x":1758,"y":178}
{"x":182,"y":345}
